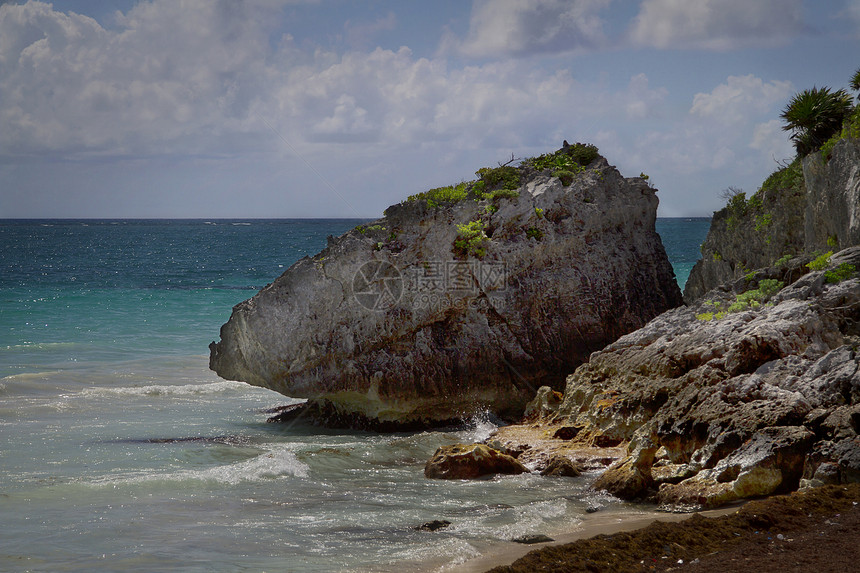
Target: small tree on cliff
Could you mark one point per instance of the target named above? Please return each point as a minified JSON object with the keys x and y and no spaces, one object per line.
{"x":813,"y":116}
{"x":855,"y":81}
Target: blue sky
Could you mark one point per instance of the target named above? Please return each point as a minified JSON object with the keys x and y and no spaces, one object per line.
{"x":335,"y":108}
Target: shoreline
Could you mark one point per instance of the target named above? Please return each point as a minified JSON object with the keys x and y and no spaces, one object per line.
{"x":591,"y":525}
{"x":813,"y":529}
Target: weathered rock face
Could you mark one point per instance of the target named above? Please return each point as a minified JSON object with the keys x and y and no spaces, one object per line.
{"x":833,"y":197}
{"x":470,"y":461}
{"x":388,"y":328}
{"x":721,"y":408}
{"x":742,"y":238}
{"x":820,"y":214}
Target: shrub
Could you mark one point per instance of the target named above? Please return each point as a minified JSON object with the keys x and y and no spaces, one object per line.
{"x":565,"y":175}
{"x":504,"y":177}
{"x":782,"y":260}
{"x":840,"y":273}
{"x":751,"y":299}
{"x":471,"y":239}
{"x":754,"y":298}
{"x":539,"y":212}
{"x":573,"y":158}
{"x":502,"y":194}
{"x":534,"y":233}
{"x":850,"y":129}
{"x":789,"y":177}
{"x":820,"y":262}
{"x":737,"y":207}
{"x":441,"y":195}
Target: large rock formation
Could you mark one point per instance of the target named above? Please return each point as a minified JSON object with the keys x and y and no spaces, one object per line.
{"x":394,"y":326}
{"x":725,"y":400}
{"x":810,"y":205}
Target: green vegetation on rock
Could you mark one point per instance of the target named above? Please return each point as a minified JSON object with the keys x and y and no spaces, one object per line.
{"x":749,"y":300}
{"x":471,"y":239}
{"x":820,"y":262}
{"x":850,"y":129}
{"x":441,"y":195}
{"x":503,"y":177}
{"x":534,"y":233}
{"x":840,"y":273}
{"x":564,"y":163}
{"x":782,"y":260}
{"x":814,"y":116}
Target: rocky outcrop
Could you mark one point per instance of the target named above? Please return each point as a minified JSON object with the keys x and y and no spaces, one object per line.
{"x":446,"y":306}
{"x":469,"y":462}
{"x":747,"y":235}
{"x":720,"y":401}
{"x":833,"y":197}
{"x":811,"y":205}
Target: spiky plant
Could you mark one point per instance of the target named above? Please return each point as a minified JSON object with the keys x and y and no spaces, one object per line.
{"x":855,"y":81}
{"x":813,"y":116}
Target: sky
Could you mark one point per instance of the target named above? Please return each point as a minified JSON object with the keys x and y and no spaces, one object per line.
{"x":337,"y":108}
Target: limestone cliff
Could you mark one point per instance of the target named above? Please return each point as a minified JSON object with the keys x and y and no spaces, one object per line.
{"x":747,"y":235}
{"x":727,"y":399}
{"x":460,"y":299}
{"x":810,"y":205}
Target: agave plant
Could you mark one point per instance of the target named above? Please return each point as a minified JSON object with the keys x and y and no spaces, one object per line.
{"x":813,"y":116}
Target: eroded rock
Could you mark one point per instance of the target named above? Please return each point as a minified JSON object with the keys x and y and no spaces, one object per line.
{"x":717,"y":409}
{"x":393,"y":327}
{"x":471,"y":461}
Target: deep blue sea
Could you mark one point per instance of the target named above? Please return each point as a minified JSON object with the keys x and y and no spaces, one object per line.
{"x":121,"y":451}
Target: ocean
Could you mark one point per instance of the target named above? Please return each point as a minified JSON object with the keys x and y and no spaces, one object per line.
{"x":121,"y":451}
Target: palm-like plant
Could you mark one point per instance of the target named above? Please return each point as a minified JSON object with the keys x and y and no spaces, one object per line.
{"x":813,"y":116}
{"x":855,"y":81}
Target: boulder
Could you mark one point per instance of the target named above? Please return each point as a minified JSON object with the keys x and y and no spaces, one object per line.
{"x":545,"y":403}
{"x":447,"y":307}
{"x":471,"y":461}
{"x":562,"y":466}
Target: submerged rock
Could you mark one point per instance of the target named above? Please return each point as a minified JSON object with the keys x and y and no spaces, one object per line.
{"x":434,"y":525}
{"x":469,"y":462}
{"x":533,"y":538}
{"x":446,"y":307}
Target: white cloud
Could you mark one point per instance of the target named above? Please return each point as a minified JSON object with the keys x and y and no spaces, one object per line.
{"x":716,"y":24}
{"x":769,"y":138}
{"x":739,"y":98}
{"x":642,"y":101}
{"x":501,"y":28}
{"x":202,"y":78}
{"x":173,"y":73}
{"x":360,"y":35}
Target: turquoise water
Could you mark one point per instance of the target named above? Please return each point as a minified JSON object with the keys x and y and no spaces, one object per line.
{"x":121,"y":451}
{"x":682,"y":237}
